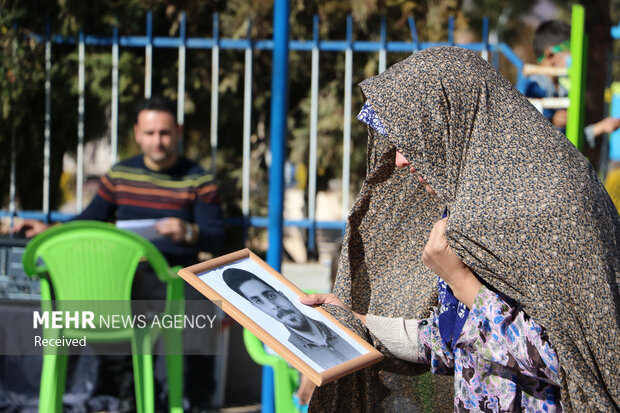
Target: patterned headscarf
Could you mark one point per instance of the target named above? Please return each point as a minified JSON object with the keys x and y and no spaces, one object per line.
{"x":528,"y":215}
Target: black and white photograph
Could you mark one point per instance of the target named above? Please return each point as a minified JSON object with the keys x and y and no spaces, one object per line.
{"x":276,"y":308}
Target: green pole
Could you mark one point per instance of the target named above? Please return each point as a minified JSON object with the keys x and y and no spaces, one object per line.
{"x":577,"y":76}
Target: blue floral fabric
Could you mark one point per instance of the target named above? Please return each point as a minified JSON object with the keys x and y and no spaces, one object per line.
{"x":502,"y":361}
{"x":452,"y":314}
{"x":368,"y":116}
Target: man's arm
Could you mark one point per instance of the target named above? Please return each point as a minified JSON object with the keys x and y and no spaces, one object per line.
{"x":99,"y":209}
{"x":209,"y":219}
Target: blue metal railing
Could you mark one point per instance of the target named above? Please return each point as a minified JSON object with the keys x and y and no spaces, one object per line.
{"x":316,"y":45}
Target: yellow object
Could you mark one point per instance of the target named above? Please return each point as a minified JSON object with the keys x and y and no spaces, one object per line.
{"x":612,"y":184}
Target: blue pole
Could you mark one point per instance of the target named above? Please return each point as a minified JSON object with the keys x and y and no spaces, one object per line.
{"x":279,"y":102}
{"x":279,"y":106}
{"x":414,"y":34}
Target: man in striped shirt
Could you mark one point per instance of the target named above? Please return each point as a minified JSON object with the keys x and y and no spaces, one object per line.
{"x":163,"y":185}
{"x":158,"y":184}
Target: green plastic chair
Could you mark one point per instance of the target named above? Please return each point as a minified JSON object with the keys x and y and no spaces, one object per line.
{"x":285,"y":378}
{"x":94,"y":261}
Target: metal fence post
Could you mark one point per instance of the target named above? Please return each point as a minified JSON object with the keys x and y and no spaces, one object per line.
{"x":181,"y":80}
{"x":114,"y":104}
{"x":279,"y":107}
{"x":247,"y":133}
{"x":346,"y":146}
{"x":148,"y":56}
{"x":215,"y":85}
{"x":314,"y":126}
{"x":48,"y":120}
{"x":80,"y":149}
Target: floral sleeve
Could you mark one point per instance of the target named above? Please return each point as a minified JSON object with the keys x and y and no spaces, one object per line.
{"x":503,"y":334}
{"x":496,"y":332}
{"x":432,"y":349}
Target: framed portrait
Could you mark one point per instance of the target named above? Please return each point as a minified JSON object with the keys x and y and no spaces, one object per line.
{"x":267,"y":304}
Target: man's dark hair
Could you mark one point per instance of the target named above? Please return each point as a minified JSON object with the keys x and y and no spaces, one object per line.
{"x":159,"y":103}
{"x":550,"y":33}
{"x":234,"y":277}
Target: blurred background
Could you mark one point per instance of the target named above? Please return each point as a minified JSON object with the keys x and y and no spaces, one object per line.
{"x":22,"y":84}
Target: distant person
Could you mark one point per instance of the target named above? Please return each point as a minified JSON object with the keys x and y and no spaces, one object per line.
{"x":312,"y":337}
{"x":164,"y":185}
{"x":552,"y":47}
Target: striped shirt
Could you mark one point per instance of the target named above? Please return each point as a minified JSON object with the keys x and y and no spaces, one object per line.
{"x":130,"y":190}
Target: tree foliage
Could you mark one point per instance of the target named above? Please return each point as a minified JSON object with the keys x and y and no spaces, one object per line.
{"x":22,"y":78}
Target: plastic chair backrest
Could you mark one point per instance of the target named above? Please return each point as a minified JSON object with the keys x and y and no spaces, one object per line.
{"x":286,"y":378}
{"x":90,"y":261}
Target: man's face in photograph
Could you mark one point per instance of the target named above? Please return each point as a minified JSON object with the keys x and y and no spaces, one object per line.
{"x":274,"y":304}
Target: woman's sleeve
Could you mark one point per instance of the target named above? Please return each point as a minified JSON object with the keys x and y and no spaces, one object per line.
{"x":413,"y":340}
{"x":504,"y":334}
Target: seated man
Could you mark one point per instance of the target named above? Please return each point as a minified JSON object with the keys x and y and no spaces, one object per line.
{"x":161,"y":184}
{"x":312,"y":337}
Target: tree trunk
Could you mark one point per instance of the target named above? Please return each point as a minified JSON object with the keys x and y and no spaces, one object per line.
{"x":598,"y":28}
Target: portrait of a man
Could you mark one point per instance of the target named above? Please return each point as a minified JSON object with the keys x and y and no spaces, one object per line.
{"x":312,"y":337}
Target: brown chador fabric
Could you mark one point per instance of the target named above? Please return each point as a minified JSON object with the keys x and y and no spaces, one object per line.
{"x":527,"y":213}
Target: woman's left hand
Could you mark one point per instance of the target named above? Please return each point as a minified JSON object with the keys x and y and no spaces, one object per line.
{"x":318,"y":299}
{"x":439,"y":257}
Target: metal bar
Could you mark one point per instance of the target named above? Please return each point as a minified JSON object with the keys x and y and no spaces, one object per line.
{"x":485,"y":38}
{"x":255,"y":221}
{"x":277,"y":145}
{"x":181,"y":81}
{"x":414,"y":34}
{"x":574,"y":124}
{"x":515,"y":61}
{"x":13,"y":174}
{"x":451,"y":31}
{"x":346,"y":129}
{"x":114,"y":119}
{"x":148,"y":56}
{"x":314,"y":120}
{"x":495,"y":56}
{"x":215,"y":82}
{"x":48,"y":122}
{"x":79,"y":193}
{"x":247,"y":128}
{"x":279,"y":94}
{"x":383,"y":51}
{"x":266,"y":44}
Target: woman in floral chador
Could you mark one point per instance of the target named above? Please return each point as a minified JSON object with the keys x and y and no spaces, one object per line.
{"x":527,"y":254}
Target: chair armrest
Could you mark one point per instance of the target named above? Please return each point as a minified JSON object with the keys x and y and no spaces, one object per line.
{"x":257,"y":352}
{"x":40,"y":271}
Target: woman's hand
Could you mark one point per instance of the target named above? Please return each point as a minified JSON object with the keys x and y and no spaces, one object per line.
{"x":305,"y":390}
{"x":318,"y":299}
{"x":439,"y":257}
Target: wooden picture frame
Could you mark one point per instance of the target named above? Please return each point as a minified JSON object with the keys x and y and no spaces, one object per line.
{"x":308,"y":338}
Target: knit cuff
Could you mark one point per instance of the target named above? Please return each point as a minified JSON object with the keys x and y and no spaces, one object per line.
{"x":399,"y":336}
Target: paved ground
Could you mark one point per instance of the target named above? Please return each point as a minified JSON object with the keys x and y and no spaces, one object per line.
{"x":309,"y":276}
